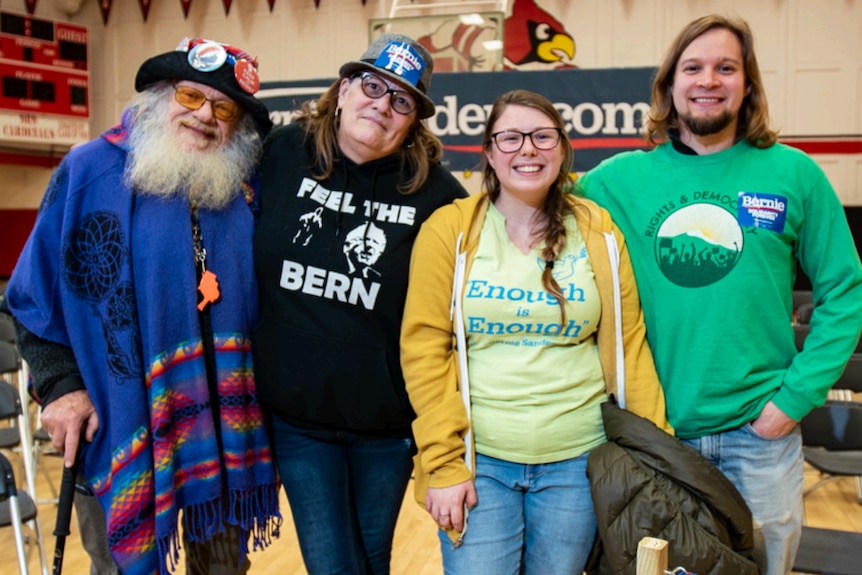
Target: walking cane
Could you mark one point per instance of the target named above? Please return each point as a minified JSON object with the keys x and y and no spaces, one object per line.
{"x":64,"y":515}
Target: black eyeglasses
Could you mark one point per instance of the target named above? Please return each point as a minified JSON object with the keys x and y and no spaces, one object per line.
{"x":510,"y":141}
{"x":374,"y":87}
{"x":188,"y":97}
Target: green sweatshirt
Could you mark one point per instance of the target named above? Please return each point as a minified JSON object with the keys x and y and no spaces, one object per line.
{"x":714,"y":242}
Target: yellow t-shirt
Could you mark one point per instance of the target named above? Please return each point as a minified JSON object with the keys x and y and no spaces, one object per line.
{"x":535,"y":385}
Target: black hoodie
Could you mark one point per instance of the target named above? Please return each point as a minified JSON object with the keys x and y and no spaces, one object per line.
{"x":332,"y":259}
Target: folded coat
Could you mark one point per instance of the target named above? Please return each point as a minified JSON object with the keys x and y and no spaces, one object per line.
{"x":646,"y":483}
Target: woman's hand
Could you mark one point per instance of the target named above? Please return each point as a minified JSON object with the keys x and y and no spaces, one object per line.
{"x":447,"y":504}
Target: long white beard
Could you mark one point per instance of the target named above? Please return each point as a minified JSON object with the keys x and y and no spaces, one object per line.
{"x":160,"y":166}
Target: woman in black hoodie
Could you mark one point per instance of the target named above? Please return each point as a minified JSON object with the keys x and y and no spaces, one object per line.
{"x":344,"y":190}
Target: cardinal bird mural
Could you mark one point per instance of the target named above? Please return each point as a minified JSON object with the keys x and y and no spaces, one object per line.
{"x":457,"y":47}
{"x":535,"y":40}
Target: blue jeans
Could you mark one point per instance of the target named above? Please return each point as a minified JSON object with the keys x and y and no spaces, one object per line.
{"x":530,"y":520}
{"x":345,"y":491}
{"x":768,"y":474}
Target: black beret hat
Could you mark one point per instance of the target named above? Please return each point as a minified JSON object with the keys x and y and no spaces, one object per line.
{"x":221,"y":66}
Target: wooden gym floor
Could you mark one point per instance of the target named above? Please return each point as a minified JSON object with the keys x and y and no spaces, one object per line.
{"x":416,"y":550}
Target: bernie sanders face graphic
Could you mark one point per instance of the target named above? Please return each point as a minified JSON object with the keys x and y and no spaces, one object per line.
{"x":363,"y":247}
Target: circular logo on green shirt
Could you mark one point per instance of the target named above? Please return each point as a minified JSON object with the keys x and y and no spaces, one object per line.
{"x":698,"y":245}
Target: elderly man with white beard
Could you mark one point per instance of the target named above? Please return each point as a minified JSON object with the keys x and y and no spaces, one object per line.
{"x":134,"y":298}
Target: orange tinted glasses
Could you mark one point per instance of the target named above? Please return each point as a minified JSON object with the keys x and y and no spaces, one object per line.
{"x":224,"y":110}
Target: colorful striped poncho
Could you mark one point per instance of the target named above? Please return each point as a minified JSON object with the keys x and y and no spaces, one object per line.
{"x":112,"y":276}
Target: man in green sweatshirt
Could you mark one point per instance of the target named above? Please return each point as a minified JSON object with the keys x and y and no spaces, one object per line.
{"x":716,"y":218}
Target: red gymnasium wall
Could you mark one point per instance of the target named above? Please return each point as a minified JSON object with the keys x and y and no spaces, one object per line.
{"x":15,"y":226}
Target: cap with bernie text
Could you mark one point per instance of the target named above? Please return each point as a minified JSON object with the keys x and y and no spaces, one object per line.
{"x":402,"y":59}
{"x":221,"y":66}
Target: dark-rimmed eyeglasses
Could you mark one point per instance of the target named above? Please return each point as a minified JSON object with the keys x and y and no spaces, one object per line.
{"x":375,"y":88}
{"x":510,"y":141}
{"x":188,"y":97}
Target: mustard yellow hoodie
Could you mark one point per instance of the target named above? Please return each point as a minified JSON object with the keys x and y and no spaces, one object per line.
{"x":432,"y":334}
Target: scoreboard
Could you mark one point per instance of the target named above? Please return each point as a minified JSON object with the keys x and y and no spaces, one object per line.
{"x":44,"y":94}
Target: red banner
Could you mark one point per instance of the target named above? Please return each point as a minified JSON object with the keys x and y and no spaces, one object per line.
{"x":105,"y":6}
{"x":227,"y":4}
{"x":186,"y":5}
{"x":271,"y":4}
{"x":145,"y":8}
{"x":31,"y":6}
{"x":317,"y":3}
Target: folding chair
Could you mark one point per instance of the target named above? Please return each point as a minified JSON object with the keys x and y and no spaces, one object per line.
{"x":832,"y":444}
{"x":803,"y":313}
{"x":825,"y":450}
{"x":851,"y":378}
{"x":41,"y":441}
{"x":7,"y":328}
{"x":801,"y":331}
{"x":850,"y":381}
{"x":16,"y":508}
{"x":801,"y":297}
{"x":10,"y":402}
{"x":829,"y":552}
{"x":832,"y":441}
{"x":17,"y":435}
{"x":42,"y":446}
